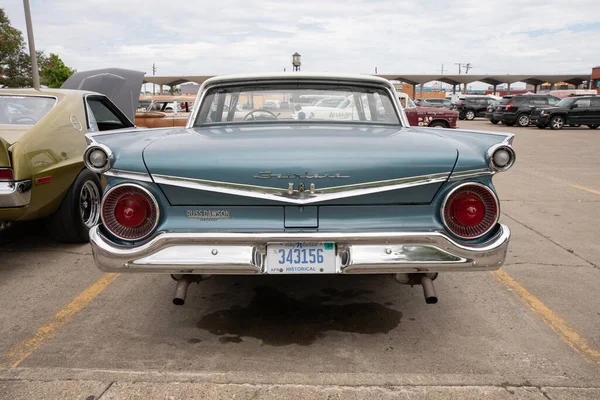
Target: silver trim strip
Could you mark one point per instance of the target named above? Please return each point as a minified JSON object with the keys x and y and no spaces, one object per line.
{"x":134,"y":176}
{"x":472,"y":173}
{"x":319,"y":195}
{"x":356,"y":252}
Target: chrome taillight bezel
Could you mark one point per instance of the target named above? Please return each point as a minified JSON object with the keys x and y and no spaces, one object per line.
{"x":89,"y":165}
{"x":448,"y":224}
{"x":109,"y":221}
{"x":490,"y":154}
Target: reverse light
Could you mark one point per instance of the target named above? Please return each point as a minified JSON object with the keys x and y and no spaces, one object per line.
{"x":6,"y":174}
{"x":509,"y":106}
{"x":470,"y":210}
{"x":97,"y":158}
{"x":129,"y":211}
{"x":501,"y":157}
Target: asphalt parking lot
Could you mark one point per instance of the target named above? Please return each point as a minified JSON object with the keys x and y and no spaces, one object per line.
{"x":527,"y":331}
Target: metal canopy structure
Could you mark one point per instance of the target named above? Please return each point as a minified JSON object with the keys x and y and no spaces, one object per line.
{"x":574,"y":79}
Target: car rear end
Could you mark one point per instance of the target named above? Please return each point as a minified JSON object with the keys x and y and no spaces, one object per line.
{"x":506,"y":109}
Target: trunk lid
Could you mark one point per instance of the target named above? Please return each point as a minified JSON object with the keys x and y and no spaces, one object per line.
{"x":9,"y":134}
{"x":333,"y":158}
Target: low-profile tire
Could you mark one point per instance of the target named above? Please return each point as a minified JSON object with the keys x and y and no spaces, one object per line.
{"x":494,"y":121}
{"x":557,"y":122}
{"x":523,"y":120}
{"x":79,"y":210}
{"x":593,"y":126}
{"x":469,"y":115}
{"x":439,"y":124}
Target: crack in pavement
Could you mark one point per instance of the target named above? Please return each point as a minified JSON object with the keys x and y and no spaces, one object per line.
{"x":552,"y":241}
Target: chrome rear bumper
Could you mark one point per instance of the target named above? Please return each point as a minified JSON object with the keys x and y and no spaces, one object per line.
{"x":244,"y":253}
{"x":15,"y":194}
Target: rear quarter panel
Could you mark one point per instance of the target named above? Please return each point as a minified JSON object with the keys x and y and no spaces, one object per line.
{"x":52,"y":148}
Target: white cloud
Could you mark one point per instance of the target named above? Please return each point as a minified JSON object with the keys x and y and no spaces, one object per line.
{"x":229,"y":36}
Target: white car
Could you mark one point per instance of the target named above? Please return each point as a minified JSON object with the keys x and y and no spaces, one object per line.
{"x":346,"y":110}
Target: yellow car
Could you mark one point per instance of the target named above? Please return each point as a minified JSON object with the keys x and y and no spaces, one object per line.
{"x":42,"y":140}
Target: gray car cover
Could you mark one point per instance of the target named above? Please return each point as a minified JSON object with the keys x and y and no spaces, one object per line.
{"x":121,"y":86}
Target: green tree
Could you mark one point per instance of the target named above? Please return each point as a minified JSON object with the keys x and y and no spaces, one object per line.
{"x":12,"y":47}
{"x":54,"y":71}
{"x":15,"y":64}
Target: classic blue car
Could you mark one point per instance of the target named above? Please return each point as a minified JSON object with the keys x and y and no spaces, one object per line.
{"x":248,"y":191}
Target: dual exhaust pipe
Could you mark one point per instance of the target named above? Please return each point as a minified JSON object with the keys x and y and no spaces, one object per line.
{"x":425,"y":280}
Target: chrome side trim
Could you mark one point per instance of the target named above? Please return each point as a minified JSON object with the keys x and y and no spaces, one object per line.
{"x":244,"y":253}
{"x":134,"y":176}
{"x":15,"y":194}
{"x":472,"y":173}
{"x":282,"y":194}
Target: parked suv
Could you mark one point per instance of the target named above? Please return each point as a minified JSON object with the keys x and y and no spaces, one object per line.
{"x":473,"y":106}
{"x":572,"y":111}
{"x":518,"y":109}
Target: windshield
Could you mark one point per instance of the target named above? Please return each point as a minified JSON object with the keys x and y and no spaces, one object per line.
{"x":24,"y":110}
{"x":143,"y":105}
{"x":246,"y":104}
{"x":566,"y":102}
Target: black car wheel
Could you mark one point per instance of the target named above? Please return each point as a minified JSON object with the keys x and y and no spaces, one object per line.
{"x":557,"y":122}
{"x":439,"y":124}
{"x":594,"y":126}
{"x":79,"y":210}
{"x":469,"y":115}
{"x":494,"y":121}
{"x":523,"y":120}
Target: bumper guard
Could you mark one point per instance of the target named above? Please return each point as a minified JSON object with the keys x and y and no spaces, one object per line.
{"x":245,"y":253}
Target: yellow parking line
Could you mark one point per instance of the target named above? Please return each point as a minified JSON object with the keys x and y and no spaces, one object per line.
{"x":568,"y":335}
{"x":586,"y":189}
{"x":24,"y":349}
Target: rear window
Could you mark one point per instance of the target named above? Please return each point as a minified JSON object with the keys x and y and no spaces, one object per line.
{"x":24,"y":110}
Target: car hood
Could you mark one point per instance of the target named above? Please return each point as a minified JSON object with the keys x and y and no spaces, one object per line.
{"x":232,"y":162}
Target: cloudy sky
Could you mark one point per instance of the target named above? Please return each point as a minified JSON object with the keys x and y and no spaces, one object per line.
{"x":232,"y":36}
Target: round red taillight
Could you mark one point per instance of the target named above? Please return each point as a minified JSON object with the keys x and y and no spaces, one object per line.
{"x":129,"y":212}
{"x":470,"y":210}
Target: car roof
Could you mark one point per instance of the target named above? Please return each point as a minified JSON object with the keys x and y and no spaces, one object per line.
{"x":297,"y":76}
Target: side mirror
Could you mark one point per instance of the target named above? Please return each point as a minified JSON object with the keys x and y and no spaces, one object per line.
{"x":574,"y":106}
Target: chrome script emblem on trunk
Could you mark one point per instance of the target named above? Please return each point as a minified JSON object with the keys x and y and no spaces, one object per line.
{"x":306,"y":175}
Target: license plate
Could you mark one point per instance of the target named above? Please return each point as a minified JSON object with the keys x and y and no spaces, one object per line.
{"x":301,"y":258}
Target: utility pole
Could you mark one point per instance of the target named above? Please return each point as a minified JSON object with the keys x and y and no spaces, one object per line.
{"x":153,"y":84}
{"x":459,"y":65}
{"x":468,"y":66}
{"x":442,"y":70}
{"x":376,"y":70}
{"x":35,"y":72}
